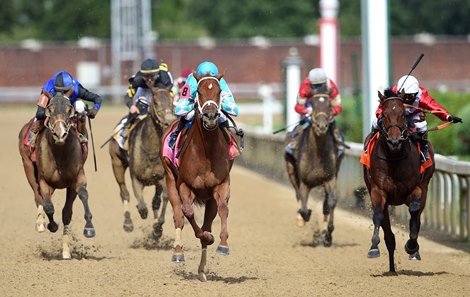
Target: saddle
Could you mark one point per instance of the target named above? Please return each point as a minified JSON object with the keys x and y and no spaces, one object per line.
{"x":369,"y":147}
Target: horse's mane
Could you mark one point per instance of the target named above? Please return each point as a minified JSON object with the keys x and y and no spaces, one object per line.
{"x":389,"y":93}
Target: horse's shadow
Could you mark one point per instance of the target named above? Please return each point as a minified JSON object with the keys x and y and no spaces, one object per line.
{"x":149,"y":242}
{"x":212,"y":276}
{"x":52,"y":251}
{"x":409,"y":273}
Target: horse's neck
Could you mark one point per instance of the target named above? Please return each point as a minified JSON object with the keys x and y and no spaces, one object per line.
{"x":320,"y":144}
{"x":210,"y":143}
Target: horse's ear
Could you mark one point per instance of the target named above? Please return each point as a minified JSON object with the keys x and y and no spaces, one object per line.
{"x":220,"y":75}
{"x":401,"y":94}
{"x":381,"y":97}
{"x":197,"y":77}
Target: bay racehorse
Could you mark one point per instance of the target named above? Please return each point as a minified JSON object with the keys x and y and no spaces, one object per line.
{"x":316,"y":163}
{"x":395,"y":176}
{"x":144,"y":161}
{"x":203,"y":175}
{"x":60,"y":161}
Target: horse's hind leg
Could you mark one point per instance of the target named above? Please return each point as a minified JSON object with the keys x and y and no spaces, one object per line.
{"x":412,"y":246}
{"x":119,"y":169}
{"x":329,"y":206}
{"x":89,"y":230}
{"x":159,"y":199}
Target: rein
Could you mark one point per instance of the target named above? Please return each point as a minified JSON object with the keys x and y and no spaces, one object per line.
{"x":438,"y":127}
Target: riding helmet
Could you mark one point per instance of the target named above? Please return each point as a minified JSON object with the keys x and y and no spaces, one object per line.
{"x":409,"y":84}
{"x":207,"y":68}
{"x":63,"y":81}
{"x":317,"y":76}
{"x":149,"y":66}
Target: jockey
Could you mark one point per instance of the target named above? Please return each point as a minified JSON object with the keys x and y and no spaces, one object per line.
{"x":418,"y":96}
{"x":316,"y":82}
{"x":139,"y":93}
{"x":185,"y":107}
{"x":179,"y":83}
{"x":63,"y":82}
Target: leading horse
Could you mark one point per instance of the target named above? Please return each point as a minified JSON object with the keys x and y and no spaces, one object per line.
{"x":316,"y":164}
{"x":203,"y":175}
{"x":60,"y":161}
{"x":143,"y":160}
{"x":395,"y":176}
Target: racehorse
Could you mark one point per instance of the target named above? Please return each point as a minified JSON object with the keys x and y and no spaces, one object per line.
{"x":316,"y":164}
{"x":395,"y":177}
{"x":60,"y":161}
{"x":144,"y":161}
{"x":203,"y":175}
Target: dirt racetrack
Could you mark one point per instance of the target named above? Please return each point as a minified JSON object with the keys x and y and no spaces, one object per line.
{"x":270,"y":255}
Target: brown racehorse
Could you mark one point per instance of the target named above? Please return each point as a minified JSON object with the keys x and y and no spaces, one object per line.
{"x":144,"y":161}
{"x":394,"y":178}
{"x":59,"y":165}
{"x":316,"y":164}
{"x":203,"y":176}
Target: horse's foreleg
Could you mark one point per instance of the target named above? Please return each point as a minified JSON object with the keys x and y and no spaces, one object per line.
{"x":389,"y":238}
{"x":138,"y":188}
{"x":304,"y":212}
{"x":89,"y":230}
{"x":329,"y":206}
{"x":66,"y":253}
{"x":156,"y":203}
{"x":187,"y":198}
{"x":46,"y":193}
{"x":415,"y":208}
{"x":377,"y":217}
{"x":66,"y":219}
{"x":41,"y":219}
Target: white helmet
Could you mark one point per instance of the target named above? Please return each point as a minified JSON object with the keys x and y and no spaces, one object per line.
{"x":411,"y":85}
{"x":317,"y":76}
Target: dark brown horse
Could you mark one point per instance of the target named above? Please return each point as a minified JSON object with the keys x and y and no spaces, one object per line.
{"x":144,"y":162}
{"x":394,"y":178}
{"x":316,"y":164}
{"x":203,"y":176}
{"x":59,"y":165}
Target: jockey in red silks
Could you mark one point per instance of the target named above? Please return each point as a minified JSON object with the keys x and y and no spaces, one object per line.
{"x":316,"y":82}
{"x":417,"y":96}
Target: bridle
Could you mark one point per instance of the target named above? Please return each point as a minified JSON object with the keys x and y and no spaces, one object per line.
{"x":404,"y":133}
{"x":158,"y":109}
{"x":209,"y":102}
{"x":67,"y":122}
{"x":316,"y":115}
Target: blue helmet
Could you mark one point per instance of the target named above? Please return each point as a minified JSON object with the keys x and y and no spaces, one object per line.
{"x":207,"y":68}
{"x":63,"y":81}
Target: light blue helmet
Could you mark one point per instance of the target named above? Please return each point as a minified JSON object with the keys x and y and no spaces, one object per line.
{"x":207,"y":68}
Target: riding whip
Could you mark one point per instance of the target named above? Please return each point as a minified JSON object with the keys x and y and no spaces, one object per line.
{"x":412,"y":68}
{"x":285,"y":128}
{"x":92,"y":142}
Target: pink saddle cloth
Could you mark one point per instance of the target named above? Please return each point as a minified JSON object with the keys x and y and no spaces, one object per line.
{"x":233,"y":151}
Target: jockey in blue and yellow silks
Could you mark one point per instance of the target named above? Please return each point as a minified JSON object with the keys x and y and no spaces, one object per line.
{"x":185,"y":106}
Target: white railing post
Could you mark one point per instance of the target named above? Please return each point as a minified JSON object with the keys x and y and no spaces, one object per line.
{"x":266,"y":93}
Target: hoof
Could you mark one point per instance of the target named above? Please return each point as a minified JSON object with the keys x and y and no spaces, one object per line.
{"x":223,"y":250}
{"x":373,"y":253}
{"x":410,"y":250}
{"x":66,"y":256}
{"x":89,"y":232}
{"x":305,"y":214}
{"x":143,"y":211}
{"x":53,"y":227}
{"x":128,"y":224}
{"x":327,"y":239}
{"x":128,"y":227}
{"x":40,"y":227}
{"x":415,"y":256}
{"x":202,"y":277}
{"x":212,"y":240}
{"x":177,"y":258}
{"x":157,"y":231}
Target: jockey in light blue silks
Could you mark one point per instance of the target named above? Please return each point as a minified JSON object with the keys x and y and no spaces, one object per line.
{"x":185,"y":106}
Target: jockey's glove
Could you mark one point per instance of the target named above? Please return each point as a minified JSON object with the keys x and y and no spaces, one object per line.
{"x":92,"y":113}
{"x":454,"y":119}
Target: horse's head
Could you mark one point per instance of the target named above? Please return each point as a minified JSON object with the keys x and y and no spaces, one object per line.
{"x":59,"y":112}
{"x":322,"y":113}
{"x":393,"y":115}
{"x":161,"y":106}
{"x":207,"y":102}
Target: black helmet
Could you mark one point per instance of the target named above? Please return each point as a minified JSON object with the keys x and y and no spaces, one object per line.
{"x":63,"y":81}
{"x":149,"y":66}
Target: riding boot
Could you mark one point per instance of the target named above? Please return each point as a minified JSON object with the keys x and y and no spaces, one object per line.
{"x":174,"y":134}
{"x":37,"y":125}
{"x":339,"y":139}
{"x":291,"y":147}
{"x":81,"y":130}
{"x":423,"y":142}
